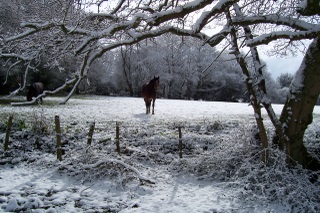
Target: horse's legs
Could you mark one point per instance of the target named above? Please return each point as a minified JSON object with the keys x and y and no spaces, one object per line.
{"x":153,"y":100}
{"x":148,"y":103}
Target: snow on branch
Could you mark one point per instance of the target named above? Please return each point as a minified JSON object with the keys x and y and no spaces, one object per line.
{"x":111,"y":30}
{"x":8,"y":70}
{"x":160,"y":17}
{"x":127,"y":166}
{"x":35,"y":27}
{"x":218,"y":8}
{"x":294,"y":23}
{"x":218,"y":37}
{"x":153,"y":20}
{"x":146,"y":35}
{"x":292,"y":36}
{"x":45,"y":93}
{"x":16,"y":56}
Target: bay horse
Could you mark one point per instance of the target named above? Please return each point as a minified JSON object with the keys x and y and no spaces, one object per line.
{"x":149,"y":93}
{"x":34,"y":90}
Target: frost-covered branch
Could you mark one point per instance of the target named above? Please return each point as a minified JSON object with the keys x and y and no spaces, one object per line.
{"x":35,"y":27}
{"x":218,"y":37}
{"x":292,"y":36}
{"x":47,"y":92}
{"x":82,"y":74}
{"x":8,"y":71}
{"x":16,"y":56}
{"x":218,"y":8}
{"x":180,"y":11}
{"x":293,"y":23}
{"x":145,"y":35}
{"x":127,"y":166}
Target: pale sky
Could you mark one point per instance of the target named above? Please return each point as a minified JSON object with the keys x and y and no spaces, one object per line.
{"x":276,"y":65}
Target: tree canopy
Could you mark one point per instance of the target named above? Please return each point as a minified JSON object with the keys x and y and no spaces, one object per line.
{"x":52,"y":31}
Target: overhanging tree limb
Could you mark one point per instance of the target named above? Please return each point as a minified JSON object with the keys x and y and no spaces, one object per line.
{"x":142,"y":36}
{"x":293,"y":23}
{"x":161,"y":17}
{"x":292,"y":36}
{"x":220,"y":7}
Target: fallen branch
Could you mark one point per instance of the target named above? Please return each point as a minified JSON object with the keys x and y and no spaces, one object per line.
{"x":141,"y":178}
{"x":46,"y":92}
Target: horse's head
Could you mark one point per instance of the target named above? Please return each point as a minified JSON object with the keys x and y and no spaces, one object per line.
{"x":155,"y":82}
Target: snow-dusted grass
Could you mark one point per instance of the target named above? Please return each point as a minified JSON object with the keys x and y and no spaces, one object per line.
{"x":220,"y":170}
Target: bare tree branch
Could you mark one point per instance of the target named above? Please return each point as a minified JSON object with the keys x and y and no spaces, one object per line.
{"x":292,"y":36}
{"x":293,"y":23}
{"x":218,"y":8}
{"x":127,"y":166}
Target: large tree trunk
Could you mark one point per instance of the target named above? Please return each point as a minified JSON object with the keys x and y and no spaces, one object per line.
{"x":298,"y":109}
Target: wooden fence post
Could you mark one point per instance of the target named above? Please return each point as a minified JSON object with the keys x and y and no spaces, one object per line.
{"x":180,"y":142}
{"x":58,"y":135}
{"x":6,"y":141}
{"x":117,"y":138}
{"x":91,"y":130}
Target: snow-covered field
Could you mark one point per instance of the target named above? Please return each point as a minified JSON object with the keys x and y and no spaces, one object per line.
{"x":220,"y":170}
